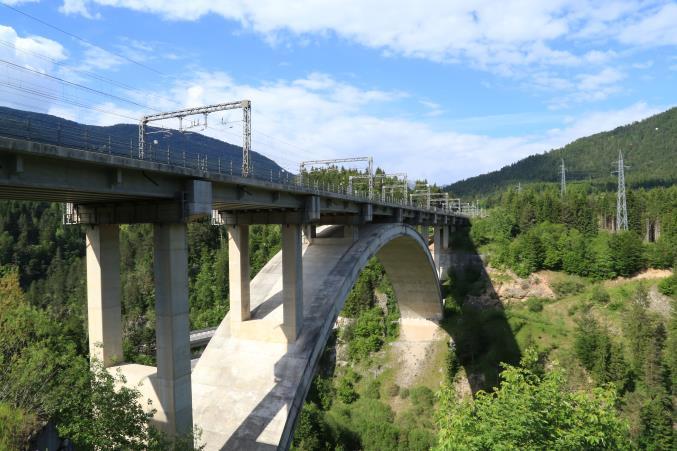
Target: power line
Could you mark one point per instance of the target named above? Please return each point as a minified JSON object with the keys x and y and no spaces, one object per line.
{"x":87,"y":88}
{"x":119,"y":55}
{"x":67,"y":66}
{"x":35,"y":92}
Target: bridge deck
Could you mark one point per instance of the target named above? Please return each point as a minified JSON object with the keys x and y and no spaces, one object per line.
{"x":104,"y":182}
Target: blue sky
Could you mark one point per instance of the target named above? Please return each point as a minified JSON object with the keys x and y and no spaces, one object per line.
{"x":439,"y":89}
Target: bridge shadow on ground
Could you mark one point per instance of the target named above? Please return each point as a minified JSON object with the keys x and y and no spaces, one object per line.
{"x":475,"y":317}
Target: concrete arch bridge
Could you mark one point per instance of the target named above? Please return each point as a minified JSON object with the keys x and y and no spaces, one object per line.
{"x":246,"y":390}
{"x":250,"y":383}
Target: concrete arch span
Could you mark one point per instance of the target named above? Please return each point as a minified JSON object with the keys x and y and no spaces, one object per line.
{"x":248,"y":387}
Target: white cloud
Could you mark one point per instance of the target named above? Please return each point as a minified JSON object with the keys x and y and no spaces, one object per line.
{"x":590,"y":87}
{"x":434,"y":109}
{"x":17,"y":2}
{"x":26,"y":60}
{"x":600,"y":80}
{"x":77,"y":7}
{"x":548,"y":45}
{"x":487,"y":33}
{"x":658,"y":28}
{"x":96,"y":58}
{"x":30,"y":51}
{"x":644,"y":65}
{"x":309,"y":118}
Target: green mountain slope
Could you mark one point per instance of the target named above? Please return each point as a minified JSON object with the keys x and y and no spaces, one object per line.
{"x":122,"y":139}
{"x":649,"y":148}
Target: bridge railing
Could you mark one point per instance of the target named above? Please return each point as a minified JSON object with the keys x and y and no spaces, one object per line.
{"x":194,"y":155}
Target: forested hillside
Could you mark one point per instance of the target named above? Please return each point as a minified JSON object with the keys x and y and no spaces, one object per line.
{"x":122,"y":139}
{"x":44,"y":370}
{"x":597,"y":346}
{"x":648,"y":147}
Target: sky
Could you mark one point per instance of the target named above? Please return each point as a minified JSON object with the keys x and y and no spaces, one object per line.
{"x":441,"y":90}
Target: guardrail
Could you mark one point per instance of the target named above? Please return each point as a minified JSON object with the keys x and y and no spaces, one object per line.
{"x":91,"y":139}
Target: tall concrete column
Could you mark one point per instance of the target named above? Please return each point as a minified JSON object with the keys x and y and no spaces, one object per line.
{"x":445,"y":237}
{"x":238,"y":272}
{"x":104,"y":315}
{"x":292,"y":281}
{"x":437,"y":248}
{"x":172,"y":327}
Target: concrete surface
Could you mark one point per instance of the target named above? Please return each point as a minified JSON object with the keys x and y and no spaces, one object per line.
{"x":104,"y":314}
{"x":172,"y":383}
{"x":248,"y":387}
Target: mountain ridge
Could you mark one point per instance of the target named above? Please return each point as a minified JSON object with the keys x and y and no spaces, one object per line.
{"x":649,"y":147}
{"x":122,"y":139}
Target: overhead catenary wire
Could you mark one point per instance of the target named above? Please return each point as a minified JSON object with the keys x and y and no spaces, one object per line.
{"x":300,"y":152}
{"x":78,"y":85}
{"x":81,"y":39}
{"x":67,"y":67}
{"x":26,"y":90}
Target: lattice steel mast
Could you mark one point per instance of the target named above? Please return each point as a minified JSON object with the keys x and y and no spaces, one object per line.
{"x":621,"y":204}
{"x":563,"y":183}
{"x":205,"y":110}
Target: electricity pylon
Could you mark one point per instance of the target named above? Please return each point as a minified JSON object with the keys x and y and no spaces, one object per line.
{"x":563,"y":183}
{"x":621,"y":204}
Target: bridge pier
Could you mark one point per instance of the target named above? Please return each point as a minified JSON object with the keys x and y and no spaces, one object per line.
{"x":238,"y":272}
{"x":445,"y":237}
{"x":104,"y":313}
{"x":292,"y":281}
{"x":437,"y":249}
{"x":172,"y":384}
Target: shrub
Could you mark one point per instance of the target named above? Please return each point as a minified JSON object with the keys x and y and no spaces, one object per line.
{"x":367,"y":334}
{"x":373,"y":389}
{"x":571,"y":311}
{"x":567,"y":287}
{"x":311,"y":429}
{"x":419,"y":439}
{"x":322,"y":392}
{"x":599,"y":295}
{"x":422,"y":396}
{"x":452,"y":363}
{"x":374,"y":422}
{"x":404,"y":393}
{"x":551,"y":416}
{"x":393,"y":390}
{"x":15,"y":427}
{"x":535,"y":304}
{"x":345,"y":389}
{"x":668,"y":286}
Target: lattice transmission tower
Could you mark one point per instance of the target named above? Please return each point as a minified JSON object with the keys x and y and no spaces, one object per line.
{"x":563,"y":183}
{"x":621,"y":204}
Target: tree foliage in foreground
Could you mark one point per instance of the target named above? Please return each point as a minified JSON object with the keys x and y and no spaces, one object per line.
{"x":531,"y":412}
{"x":42,"y":377}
